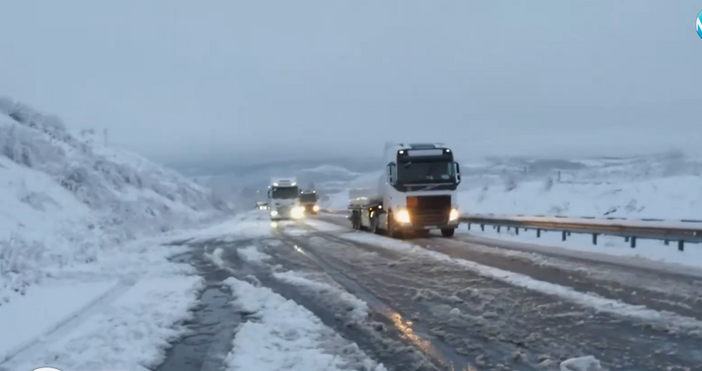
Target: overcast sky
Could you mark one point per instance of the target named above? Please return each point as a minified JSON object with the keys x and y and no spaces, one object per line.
{"x":178,"y":80}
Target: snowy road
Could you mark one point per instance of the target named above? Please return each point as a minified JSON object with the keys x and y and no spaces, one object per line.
{"x":358,"y":301}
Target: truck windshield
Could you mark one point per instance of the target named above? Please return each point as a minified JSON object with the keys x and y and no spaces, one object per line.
{"x":426,"y":172}
{"x":284,"y":192}
{"x":308,"y":197}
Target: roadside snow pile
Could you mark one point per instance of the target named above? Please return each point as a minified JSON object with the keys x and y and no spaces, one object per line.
{"x":282,"y":335}
{"x":67,"y":201}
{"x":678,"y":197}
{"x":588,"y":363}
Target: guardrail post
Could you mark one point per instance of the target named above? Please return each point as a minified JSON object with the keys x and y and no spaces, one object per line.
{"x":482,"y":227}
{"x":633,"y":242}
{"x":666,"y":242}
{"x":563,"y":237}
{"x":516,"y":231}
{"x":469,"y":226}
{"x":594,"y":238}
{"x":681,"y":245}
{"x":498,"y":229}
{"x":538,"y":233}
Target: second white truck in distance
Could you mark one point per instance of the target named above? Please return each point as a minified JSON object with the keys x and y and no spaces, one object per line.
{"x":416,"y":194}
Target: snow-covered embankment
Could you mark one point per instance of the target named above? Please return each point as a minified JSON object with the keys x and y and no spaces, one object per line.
{"x":72,"y":212}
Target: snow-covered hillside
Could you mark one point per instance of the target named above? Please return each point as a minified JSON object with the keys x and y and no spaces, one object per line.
{"x":678,"y":197}
{"x":66,"y":201}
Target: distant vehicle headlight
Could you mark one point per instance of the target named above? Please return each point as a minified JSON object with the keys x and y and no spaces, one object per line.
{"x":274,"y":213}
{"x":453,"y":215}
{"x":297,"y":212}
{"x":402,"y":216}
{"x":315,"y":208}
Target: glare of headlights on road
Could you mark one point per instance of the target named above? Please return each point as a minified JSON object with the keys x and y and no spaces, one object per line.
{"x":274,"y":224}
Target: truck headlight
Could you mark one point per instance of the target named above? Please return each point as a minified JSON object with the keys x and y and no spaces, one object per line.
{"x":297,"y":212}
{"x":453,"y":215}
{"x":315,"y":208}
{"x":402,"y":216}
{"x":274,"y":213}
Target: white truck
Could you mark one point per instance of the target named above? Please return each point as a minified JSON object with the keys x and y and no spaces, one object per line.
{"x":308,"y":200}
{"x":416,"y":194}
{"x":283,"y":199}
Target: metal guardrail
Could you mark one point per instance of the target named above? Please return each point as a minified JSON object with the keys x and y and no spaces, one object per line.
{"x":682,"y":231}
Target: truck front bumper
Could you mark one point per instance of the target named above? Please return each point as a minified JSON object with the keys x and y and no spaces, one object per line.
{"x":294,"y":213}
{"x":415,"y":227}
{"x":311,"y":209}
{"x":425,"y":220}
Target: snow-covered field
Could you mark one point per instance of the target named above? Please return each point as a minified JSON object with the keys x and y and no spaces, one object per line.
{"x":676,"y":197}
{"x":81,"y":262}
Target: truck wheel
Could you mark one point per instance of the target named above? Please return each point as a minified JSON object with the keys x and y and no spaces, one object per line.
{"x":392,"y":232}
{"x":373,"y":225}
{"x":447,"y":232}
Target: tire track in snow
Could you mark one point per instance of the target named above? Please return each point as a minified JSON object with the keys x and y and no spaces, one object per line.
{"x":682,"y":296}
{"x":533,"y":280}
{"x":441,"y":354}
{"x":335,"y":315}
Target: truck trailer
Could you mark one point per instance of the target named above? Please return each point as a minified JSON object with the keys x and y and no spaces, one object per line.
{"x":417,"y":193}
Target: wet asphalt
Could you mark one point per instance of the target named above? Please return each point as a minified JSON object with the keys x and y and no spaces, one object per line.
{"x":427,"y":316}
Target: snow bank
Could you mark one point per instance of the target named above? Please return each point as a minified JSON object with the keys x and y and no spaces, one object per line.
{"x":588,"y":363}
{"x":282,"y":335}
{"x":131,"y":332}
{"x":66,"y":201}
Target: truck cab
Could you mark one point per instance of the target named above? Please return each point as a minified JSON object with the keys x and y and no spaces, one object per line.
{"x":283,"y":199}
{"x":417,"y":193}
{"x":308,"y":200}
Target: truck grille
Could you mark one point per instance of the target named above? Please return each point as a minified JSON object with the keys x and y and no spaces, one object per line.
{"x":429,"y":210}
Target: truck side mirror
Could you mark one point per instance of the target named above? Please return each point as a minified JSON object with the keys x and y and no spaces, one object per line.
{"x":458,"y":172}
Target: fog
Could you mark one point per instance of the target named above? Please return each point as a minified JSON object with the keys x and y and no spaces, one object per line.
{"x":184,"y":81}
